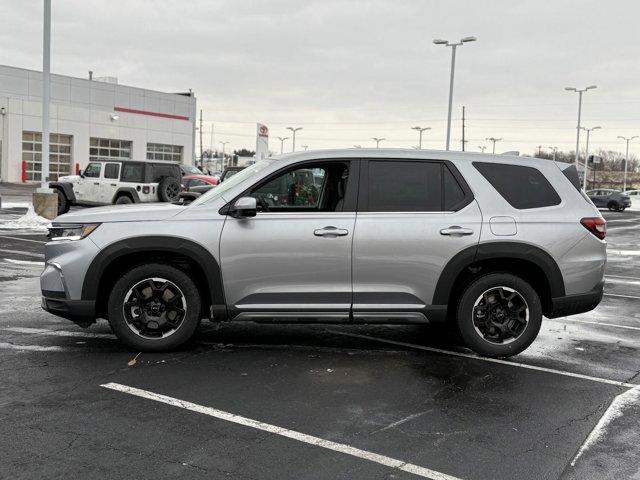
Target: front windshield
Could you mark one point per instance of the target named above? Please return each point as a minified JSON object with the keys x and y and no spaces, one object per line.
{"x":192,"y":170}
{"x":237,"y":179}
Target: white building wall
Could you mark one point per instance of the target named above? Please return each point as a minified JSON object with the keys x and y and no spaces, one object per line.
{"x":83,"y":108}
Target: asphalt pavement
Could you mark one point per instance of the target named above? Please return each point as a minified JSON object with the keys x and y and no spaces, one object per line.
{"x":253,"y":401}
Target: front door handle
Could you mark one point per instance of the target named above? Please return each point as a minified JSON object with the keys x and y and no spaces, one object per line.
{"x":330,"y":231}
{"x":96,"y":183}
{"x":456,"y":231}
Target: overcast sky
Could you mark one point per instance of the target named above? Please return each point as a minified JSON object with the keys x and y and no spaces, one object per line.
{"x":347,"y":71}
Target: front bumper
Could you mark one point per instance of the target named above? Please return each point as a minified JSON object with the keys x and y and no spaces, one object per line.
{"x":574,"y":304}
{"x":80,"y":312}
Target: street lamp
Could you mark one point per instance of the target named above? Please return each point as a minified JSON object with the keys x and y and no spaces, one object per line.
{"x":305,"y":147}
{"x":453,"y":67}
{"x":626,"y":157}
{"x":223,"y":145}
{"x":420,"y":129}
{"x":294,"y":130}
{"x":377,"y":140}
{"x":282,"y":139}
{"x":482,"y":148}
{"x":580,"y":92}
{"x":586,"y":155}
{"x":555,"y":149}
{"x":494,"y":140}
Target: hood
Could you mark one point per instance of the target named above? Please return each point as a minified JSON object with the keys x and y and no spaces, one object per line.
{"x":137,"y":212}
{"x":69,"y":178}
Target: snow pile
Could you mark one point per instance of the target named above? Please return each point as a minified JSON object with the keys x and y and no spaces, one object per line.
{"x":29,"y":221}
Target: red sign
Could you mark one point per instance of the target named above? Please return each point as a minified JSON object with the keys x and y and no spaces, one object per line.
{"x":263,"y":131}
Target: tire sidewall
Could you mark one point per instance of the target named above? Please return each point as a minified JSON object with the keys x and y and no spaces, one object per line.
{"x":63,"y":203}
{"x":464,"y":320}
{"x":137,"y":274}
{"x":164,"y":185}
{"x":123,"y":200}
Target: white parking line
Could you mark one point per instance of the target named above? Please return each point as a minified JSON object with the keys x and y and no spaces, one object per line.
{"x":626,"y":253}
{"x":487,"y":359}
{"x":22,"y":239}
{"x":285,"y":432}
{"x":615,"y":410}
{"x":621,"y":296}
{"x":593,"y":323}
{"x":18,"y":252}
{"x":626,"y":281}
{"x":23,"y":262}
{"x":622,"y":276}
{"x":32,"y":348}
{"x":58,"y":333}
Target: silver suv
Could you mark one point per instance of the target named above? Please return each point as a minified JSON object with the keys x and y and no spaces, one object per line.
{"x":487,"y":243}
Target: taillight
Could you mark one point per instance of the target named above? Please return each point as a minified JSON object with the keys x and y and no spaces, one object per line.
{"x":596,"y":225}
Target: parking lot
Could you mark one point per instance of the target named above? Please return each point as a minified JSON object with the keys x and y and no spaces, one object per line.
{"x":306,"y":401}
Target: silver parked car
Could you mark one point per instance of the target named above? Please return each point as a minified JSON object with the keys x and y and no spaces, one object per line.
{"x":488,"y":243}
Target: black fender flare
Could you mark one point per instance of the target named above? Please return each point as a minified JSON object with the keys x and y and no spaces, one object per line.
{"x":157,"y":243}
{"x":67,"y":189}
{"x":491,"y":250}
{"x":128,"y":190}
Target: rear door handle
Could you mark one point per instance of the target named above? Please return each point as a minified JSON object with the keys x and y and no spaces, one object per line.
{"x":456,"y":231}
{"x":96,"y":183}
{"x":330,"y":231}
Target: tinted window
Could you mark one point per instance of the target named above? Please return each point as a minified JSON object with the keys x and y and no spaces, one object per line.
{"x":396,"y":186}
{"x":111,"y":170}
{"x":195,"y":182}
{"x":572,"y":175}
{"x":160,"y":171}
{"x":522,"y":187}
{"x":132,"y":172}
{"x":453,"y":194}
{"x":92,"y":170}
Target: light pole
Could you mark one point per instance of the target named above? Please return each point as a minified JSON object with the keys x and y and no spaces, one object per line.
{"x":586,"y":155}
{"x":377,"y":140}
{"x":420,"y":129}
{"x":223,"y":145}
{"x":494,"y":140}
{"x":626,"y":158}
{"x":482,"y":148}
{"x":282,"y":139}
{"x":293,"y":131}
{"x":580,"y":92}
{"x":305,"y":147}
{"x":555,"y":149}
{"x":453,"y":67}
{"x":46,"y":93}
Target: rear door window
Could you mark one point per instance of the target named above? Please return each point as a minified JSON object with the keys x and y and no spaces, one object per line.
{"x":112,"y":170}
{"x":522,"y":187}
{"x":133,"y":172}
{"x":399,"y":186}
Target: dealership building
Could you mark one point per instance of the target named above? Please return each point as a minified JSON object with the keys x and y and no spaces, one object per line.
{"x":90,"y":119}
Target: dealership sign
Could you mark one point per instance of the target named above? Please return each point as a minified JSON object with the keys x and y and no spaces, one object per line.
{"x":262,"y":141}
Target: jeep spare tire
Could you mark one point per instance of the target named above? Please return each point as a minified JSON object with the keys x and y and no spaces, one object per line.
{"x":169,"y":189}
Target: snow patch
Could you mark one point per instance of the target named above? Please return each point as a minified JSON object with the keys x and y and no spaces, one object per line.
{"x":15,"y":204}
{"x":29,"y":221}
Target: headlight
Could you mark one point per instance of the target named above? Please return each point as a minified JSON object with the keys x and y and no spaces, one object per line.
{"x":71,"y":231}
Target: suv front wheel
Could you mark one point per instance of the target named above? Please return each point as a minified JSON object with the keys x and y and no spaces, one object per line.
{"x":154,"y":308}
{"x":499,"y":315}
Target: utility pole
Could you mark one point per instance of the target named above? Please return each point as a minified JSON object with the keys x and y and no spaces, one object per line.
{"x":626,"y":159}
{"x":463,"y":140}
{"x":201,"y":158}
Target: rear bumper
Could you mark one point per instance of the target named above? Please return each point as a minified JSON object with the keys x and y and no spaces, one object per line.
{"x":80,"y":312}
{"x":574,"y":304}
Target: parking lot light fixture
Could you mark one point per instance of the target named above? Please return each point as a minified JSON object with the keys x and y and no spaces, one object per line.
{"x":555,"y":149}
{"x":293,"y":131}
{"x":223,"y":145}
{"x":626,"y":157}
{"x":453,"y":67}
{"x":377,"y":140}
{"x":579,"y":91}
{"x":420,"y":129}
{"x":494,"y":141}
{"x":282,"y":139}
{"x":482,"y":148}
{"x":586,"y":155}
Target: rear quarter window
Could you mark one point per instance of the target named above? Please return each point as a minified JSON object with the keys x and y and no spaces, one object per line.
{"x":522,"y":187}
{"x":132,"y":172}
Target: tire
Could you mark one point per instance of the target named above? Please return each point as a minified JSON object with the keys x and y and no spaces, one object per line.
{"x":123,"y":199}
{"x":612,"y":206}
{"x":169,"y":189}
{"x":476,"y":300}
{"x":151,"y":321}
{"x":63,"y":202}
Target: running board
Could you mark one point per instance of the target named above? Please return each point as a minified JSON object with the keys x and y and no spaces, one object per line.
{"x":333,"y":317}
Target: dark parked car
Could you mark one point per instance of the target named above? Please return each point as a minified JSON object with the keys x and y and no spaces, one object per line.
{"x":190,"y":170}
{"x":614,"y":200}
{"x":230,"y":172}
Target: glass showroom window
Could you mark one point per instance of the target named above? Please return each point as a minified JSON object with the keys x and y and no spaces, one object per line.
{"x":59,"y":155}
{"x":109,"y":149}
{"x":161,"y":151}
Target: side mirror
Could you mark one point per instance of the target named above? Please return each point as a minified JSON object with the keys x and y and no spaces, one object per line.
{"x":244,"y":207}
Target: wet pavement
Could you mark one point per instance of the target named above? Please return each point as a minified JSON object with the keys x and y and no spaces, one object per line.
{"x":265,"y":399}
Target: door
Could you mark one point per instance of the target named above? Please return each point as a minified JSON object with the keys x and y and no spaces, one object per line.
{"x":87,"y":189}
{"x":109,"y":182}
{"x":292,"y":261}
{"x":413,"y":217}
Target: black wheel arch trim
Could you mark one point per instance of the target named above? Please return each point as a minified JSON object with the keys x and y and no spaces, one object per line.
{"x":497,"y":250}
{"x":127,"y":190}
{"x":158,"y":243}
{"x":67,"y":189}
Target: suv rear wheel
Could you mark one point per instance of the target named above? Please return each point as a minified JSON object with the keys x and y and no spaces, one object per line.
{"x":169,"y":189}
{"x":154,"y":308}
{"x":123,"y":199}
{"x":63,"y":202}
{"x":499,"y":315}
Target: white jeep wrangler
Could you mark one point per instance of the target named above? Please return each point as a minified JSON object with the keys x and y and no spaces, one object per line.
{"x":106,"y":182}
